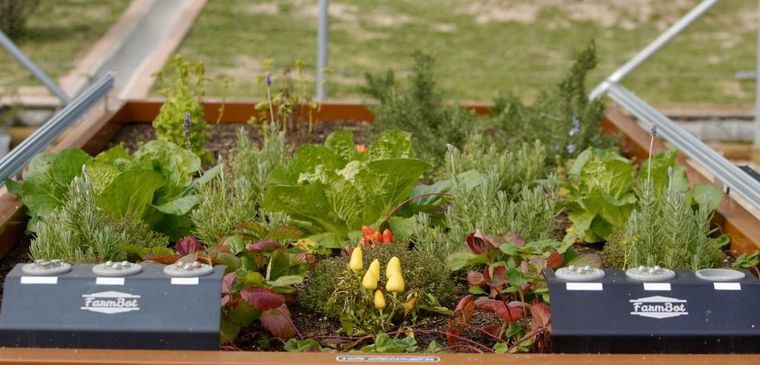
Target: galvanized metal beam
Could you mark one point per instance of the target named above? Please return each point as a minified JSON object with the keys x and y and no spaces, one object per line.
{"x":12,"y":163}
{"x":322,"y":41}
{"x":723,"y":171}
{"x":27,"y":63}
{"x":653,"y":48}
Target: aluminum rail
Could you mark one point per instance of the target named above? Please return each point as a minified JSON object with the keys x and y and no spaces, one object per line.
{"x":322,"y":42}
{"x":653,"y":47}
{"x":21,"y":58}
{"x":13,"y":162}
{"x":722,"y":169}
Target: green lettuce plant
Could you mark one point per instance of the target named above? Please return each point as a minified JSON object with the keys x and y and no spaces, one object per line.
{"x":156,"y":184}
{"x":332,"y":189}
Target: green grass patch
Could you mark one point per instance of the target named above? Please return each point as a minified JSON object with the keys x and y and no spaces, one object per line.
{"x":57,"y":34}
{"x":483,"y":47}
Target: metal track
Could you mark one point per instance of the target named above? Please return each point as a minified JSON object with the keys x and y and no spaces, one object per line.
{"x":13,"y":162}
{"x":723,"y":170}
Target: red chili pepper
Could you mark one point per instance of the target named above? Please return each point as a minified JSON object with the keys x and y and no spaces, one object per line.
{"x":387,"y":236}
{"x":377,"y":237}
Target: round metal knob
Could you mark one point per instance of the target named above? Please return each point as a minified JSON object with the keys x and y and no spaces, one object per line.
{"x":188,"y":269}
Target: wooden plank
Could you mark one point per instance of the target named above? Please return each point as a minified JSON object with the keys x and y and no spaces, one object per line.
{"x":734,"y":219}
{"x":240,"y":111}
{"x":34,"y":356}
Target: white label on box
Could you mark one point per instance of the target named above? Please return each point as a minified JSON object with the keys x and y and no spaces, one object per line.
{"x":185,"y":281}
{"x":657,"y":286}
{"x":387,"y":359}
{"x":109,"y":281}
{"x":727,"y":286}
{"x":584,"y":286}
{"x":39,"y":280}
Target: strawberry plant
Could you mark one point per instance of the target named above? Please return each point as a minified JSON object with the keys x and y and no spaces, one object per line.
{"x":260,"y":287}
{"x":506,"y":279}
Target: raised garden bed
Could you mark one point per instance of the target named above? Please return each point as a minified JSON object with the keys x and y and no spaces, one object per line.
{"x":468,"y":218}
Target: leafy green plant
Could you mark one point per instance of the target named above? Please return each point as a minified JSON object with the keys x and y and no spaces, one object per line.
{"x":600,"y":194}
{"x":332,"y":189}
{"x":81,"y":231}
{"x":563,"y":119}
{"x":224,"y":206}
{"x":260,"y":287}
{"x":156,"y":184}
{"x":386,"y":344}
{"x":420,"y":270}
{"x":306,"y":345}
{"x":505,"y":274}
{"x":416,"y":105}
{"x":181,"y":119}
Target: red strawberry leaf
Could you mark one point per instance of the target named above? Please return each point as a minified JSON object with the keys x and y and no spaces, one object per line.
{"x":475,"y":278}
{"x":541,"y":317}
{"x":262,"y":298}
{"x":265,"y":245}
{"x":508,"y":312}
{"x":555,"y":260}
{"x":277,"y":321}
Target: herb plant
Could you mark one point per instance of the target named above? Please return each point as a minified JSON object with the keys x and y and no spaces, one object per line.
{"x":416,"y":105}
{"x":181,"y":119}
{"x":81,"y":231}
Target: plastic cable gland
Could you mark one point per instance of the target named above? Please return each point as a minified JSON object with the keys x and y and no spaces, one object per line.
{"x":719,"y":274}
{"x":46,"y":268}
{"x":109,"y":268}
{"x":578,"y":273}
{"x":188,"y":269}
{"x":650,"y":273}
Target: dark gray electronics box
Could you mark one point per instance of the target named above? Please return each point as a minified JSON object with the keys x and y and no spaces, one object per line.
{"x":78,"y":309}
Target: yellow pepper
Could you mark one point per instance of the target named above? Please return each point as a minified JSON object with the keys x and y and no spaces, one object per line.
{"x":374,"y":268}
{"x":393,"y":265}
{"x":357,"y":261}
{"x":395,"y":283}
{"x":379,"y":299}
{"x":370,"y":279}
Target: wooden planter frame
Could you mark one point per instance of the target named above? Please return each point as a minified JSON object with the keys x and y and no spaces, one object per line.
{"x":94,"y":134}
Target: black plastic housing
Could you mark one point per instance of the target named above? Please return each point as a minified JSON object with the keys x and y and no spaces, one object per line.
{"x":148,"y":310}
{"x":685,"y":315}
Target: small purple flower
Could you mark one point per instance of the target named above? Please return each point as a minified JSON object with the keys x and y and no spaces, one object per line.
{"x":576,"y":126}
{"x":186,"y":123}
{"x":188,"y":245}
{"x":654,"y":130}
{"x":570,"y":148}
{"x":268,"y":80}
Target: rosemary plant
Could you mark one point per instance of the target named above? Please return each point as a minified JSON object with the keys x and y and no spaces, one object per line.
{"x":80,"y":231}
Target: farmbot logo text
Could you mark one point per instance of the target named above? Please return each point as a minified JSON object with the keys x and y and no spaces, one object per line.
{"x":110,"y":302}
{"x":659,"y":307}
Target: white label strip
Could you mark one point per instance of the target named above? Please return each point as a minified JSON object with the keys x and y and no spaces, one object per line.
{"x":657,"y":286}
{"x":584,"y":286}
{"x":185,"y":281}
{"x":109,"y":281}
{"x":727,"y":286}
{"x":39,"y":280}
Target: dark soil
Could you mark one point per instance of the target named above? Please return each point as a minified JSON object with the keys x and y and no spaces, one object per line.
{"x":222,"y":137}
{"x":19,"y":253}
